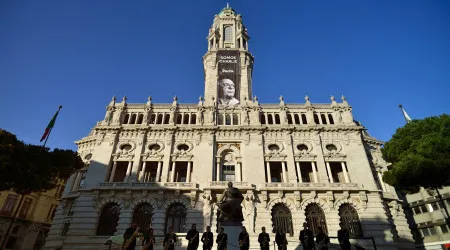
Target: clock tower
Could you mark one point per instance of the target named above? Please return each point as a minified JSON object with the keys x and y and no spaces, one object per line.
{"x":228,"y":64}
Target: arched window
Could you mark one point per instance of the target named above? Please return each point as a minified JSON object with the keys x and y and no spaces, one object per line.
{"x":324,"y":119}
{"x":126,"y":118}
{"x":304,"y":121}
{"x":159,"y":120}
{"x":262,"y":119}
{"x":133,"y":119}
{"x":289,"y":117}
{"x":166,"y":118}
{"x":220,"y":119}
{"x":142,"y":215}
{"x":330,"y":118}
{"x":153,"y":119}
{"x":269,"y":119}
{"x":282,"y":218}
{"x":315,"y":218}
{"x":176,"y":217}
{"x":235,"y":119}
{"x":316,"y":119}
{"x":179,"y":118}
{"x":227,"y":119}
{"x":228,"y":33}
{"x":349,"y":217}
{"x":109,"y":217}
{"x":140,"y":119}
{"x":193,"y":119}
{"x":277,"y":119}
{"x":186,"y":119}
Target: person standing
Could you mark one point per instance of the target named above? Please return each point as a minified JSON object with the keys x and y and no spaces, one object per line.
{"x":280,"y":239}
{"x":344,"y":237}
{"x":264,"y":239}
{"x":306,"y":237}
{"x":193,"y":238}
{"x":322,"y":239}
{"x":222,"y":239}
{"x":244,"y":241}
{"x":207,"y":239}
{"x":129,"y":234}
{"x":169,"y":240}
{"x":149,"y":240}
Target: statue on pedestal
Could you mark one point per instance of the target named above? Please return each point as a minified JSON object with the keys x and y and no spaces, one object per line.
{"x":230,"y":209}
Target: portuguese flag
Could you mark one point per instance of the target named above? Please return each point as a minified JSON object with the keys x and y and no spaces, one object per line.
{"x":50,"y":125}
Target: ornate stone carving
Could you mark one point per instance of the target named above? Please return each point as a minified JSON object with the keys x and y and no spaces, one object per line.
{"x":127,"y":198}
{"x":330,"y":199}
{"x":297,"y":199}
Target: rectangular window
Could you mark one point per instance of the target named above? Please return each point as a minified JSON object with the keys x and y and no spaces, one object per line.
{"x":435,"y":205}
{"x":423,"y":208}
{"x":65,"y":228}
{"x":432,"y":230}
{"x":306,"y":170}
{"x":444,"y":228}
{"x":25,"y":207}
{"x":228,"y":172}
{"x":9,"y":205}
{"x":417,"y":210}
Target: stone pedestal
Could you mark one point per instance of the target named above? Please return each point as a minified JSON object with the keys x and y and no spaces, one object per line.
{"x":232,"y":229}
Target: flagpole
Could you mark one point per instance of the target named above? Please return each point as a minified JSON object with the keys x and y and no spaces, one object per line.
{"x":46,"y":139}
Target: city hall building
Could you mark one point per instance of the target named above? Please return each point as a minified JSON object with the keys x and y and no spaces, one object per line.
{"x":164,"y":165}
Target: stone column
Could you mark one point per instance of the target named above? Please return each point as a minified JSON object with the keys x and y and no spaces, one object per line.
{"x":142,"y":173}
{"x":172,"y":174}
{"x":218,"y":171}
{"x":299,"y":172}
{"x":313,"y":165}
{"x":158,"y":172}
{"x":283,"y":165}
{"x":238,"y":172}
{"x":330,"y":176}
{"x":269,"y":178}
{"x":113,"y":172}
{"x":188,"y":175}
{"x":344,"y":169}
{"x":127,"y":178}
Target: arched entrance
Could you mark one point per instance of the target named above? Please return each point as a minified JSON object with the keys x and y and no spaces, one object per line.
{"x":142,"y":215}
{"x":349,"y":217}
{"x":282,"y":218}
{"x":315,"y":218}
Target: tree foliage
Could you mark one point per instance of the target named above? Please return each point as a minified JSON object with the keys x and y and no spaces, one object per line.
{"x":27,"y":168}
{"x":420,"y":154}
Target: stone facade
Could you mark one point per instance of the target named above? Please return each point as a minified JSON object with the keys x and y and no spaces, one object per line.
{"x":292,"y":162}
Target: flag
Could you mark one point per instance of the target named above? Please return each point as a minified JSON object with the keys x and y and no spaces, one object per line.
{"x":50,"y":125}
{"x":407,"y":118}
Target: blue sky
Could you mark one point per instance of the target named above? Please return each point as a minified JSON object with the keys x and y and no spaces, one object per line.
{"x":79,"y":54}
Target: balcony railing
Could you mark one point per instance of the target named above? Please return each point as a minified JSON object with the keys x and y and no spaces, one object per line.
{"x":311,"y":185}
{"x":147,"y":185}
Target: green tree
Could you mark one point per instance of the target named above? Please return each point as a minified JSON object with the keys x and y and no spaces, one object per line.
{"x":420,"y":155}
{"x":26,"y":168}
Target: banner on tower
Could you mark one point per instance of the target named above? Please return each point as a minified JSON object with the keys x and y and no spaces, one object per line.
{"x":229,"y":77}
